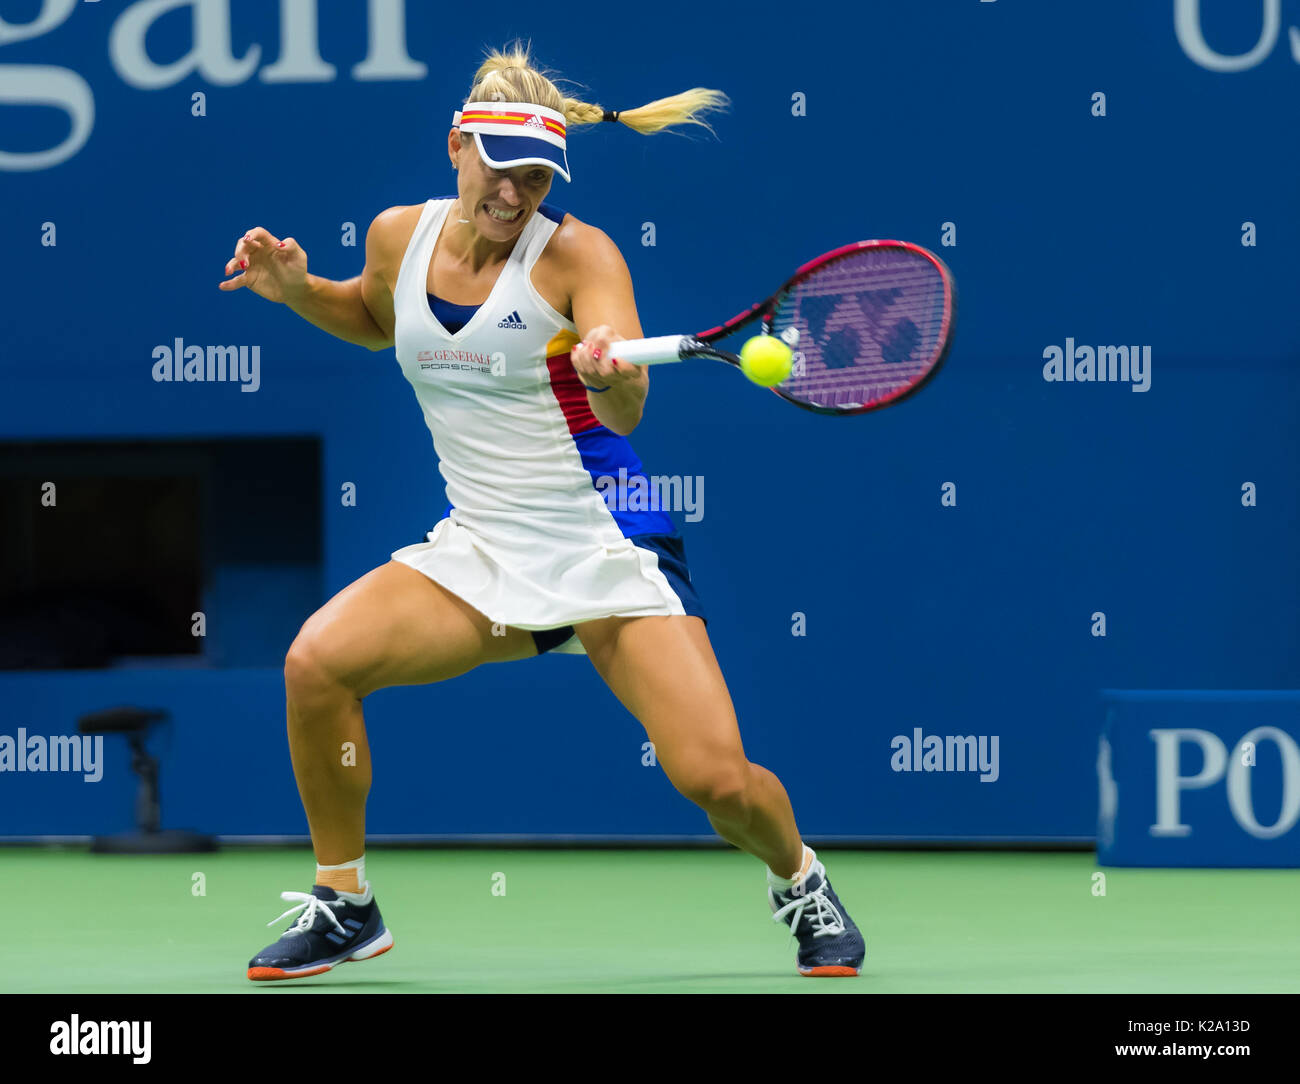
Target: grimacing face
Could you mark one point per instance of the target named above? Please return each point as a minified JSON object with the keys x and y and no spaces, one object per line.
{"x":483,"y":189}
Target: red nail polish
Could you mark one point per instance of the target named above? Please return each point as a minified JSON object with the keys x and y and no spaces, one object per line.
{"x":281,"y":245}
{"x":596,"y":355}
{"x":243,"y":263}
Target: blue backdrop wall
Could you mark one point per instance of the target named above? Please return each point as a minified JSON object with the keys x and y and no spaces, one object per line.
{"x":1160,"y":214}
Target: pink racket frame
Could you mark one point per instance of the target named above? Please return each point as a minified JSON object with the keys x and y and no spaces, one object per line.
{"x":766,"y":310}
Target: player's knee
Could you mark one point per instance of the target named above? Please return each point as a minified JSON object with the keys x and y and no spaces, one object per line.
{"x":310,"y":673}
{"x":720,"y":790}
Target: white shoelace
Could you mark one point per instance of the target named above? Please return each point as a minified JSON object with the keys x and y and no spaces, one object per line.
{"x":310,"y":906}
{"x":824,"y":919}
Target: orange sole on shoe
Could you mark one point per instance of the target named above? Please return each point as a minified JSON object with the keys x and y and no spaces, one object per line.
{"x":831,"y":971}
{"x":266,"y":974}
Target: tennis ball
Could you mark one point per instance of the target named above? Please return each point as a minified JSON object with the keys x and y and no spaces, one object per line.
{"x":766,"y":360}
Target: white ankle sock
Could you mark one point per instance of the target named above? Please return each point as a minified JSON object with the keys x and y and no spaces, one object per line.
{"x":809,"y":861}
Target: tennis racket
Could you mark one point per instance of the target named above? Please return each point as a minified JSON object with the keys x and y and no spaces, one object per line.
{"x":870,"y":323}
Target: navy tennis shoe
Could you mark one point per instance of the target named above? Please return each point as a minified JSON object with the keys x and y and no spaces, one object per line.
{"x":829,"y":941}
{"x":330,"y":931}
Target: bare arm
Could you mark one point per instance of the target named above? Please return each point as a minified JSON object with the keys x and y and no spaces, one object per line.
{"x":603,"y":302}
{"x":357,"y":310}
{"x":340,"y":309}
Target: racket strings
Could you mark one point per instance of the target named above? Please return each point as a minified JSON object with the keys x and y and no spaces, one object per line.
{"x":871,"y":325}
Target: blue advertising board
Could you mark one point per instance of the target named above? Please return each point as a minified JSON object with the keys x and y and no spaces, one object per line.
{"x":970,"y":565}
{"x":1199,"y":778}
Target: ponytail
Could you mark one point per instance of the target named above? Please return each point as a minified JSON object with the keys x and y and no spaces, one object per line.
{"x":510,"y":76}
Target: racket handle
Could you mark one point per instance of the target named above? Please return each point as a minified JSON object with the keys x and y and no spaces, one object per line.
{"x":654,"y":351}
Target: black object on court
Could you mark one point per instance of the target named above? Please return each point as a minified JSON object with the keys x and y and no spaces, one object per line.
{"x":149,"y":838}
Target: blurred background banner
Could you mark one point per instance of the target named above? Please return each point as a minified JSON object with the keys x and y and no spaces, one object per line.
{"x":915,"y":610}
{"x":1199,"y":778}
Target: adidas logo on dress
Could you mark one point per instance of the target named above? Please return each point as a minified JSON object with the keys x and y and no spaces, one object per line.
{"x":514,"y":321}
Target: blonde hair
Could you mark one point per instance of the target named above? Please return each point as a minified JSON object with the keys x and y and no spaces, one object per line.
{"x":511,"y":76}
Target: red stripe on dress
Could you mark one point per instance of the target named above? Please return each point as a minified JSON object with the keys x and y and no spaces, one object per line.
{"x":565,"y":385}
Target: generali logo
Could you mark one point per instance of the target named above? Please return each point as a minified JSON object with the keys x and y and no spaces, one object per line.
{"x":210,"y":56}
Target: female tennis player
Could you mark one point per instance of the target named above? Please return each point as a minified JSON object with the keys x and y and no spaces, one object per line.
{"x":483,"y":296}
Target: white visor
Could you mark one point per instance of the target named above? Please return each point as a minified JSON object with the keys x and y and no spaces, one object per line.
{"x":516,"y":134}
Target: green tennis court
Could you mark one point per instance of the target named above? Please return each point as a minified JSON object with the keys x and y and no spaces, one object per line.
{"x":585,"y":921}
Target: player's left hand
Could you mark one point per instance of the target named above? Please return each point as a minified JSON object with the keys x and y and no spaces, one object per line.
{"x":594,"y":365}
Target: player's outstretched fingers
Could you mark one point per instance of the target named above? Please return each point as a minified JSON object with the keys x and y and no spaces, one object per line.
{"x":244,"y":248}
{"x":255,"y":240}
{"x":240,"y":264}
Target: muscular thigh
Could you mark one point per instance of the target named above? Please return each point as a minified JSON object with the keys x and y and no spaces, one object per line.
{"x":664,"y":672}
{"x":395,"y":626}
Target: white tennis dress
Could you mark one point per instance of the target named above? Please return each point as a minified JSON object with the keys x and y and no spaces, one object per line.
{"x":534,"y":536}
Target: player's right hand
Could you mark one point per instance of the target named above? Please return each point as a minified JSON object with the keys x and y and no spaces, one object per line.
{"x":272,"y":268}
